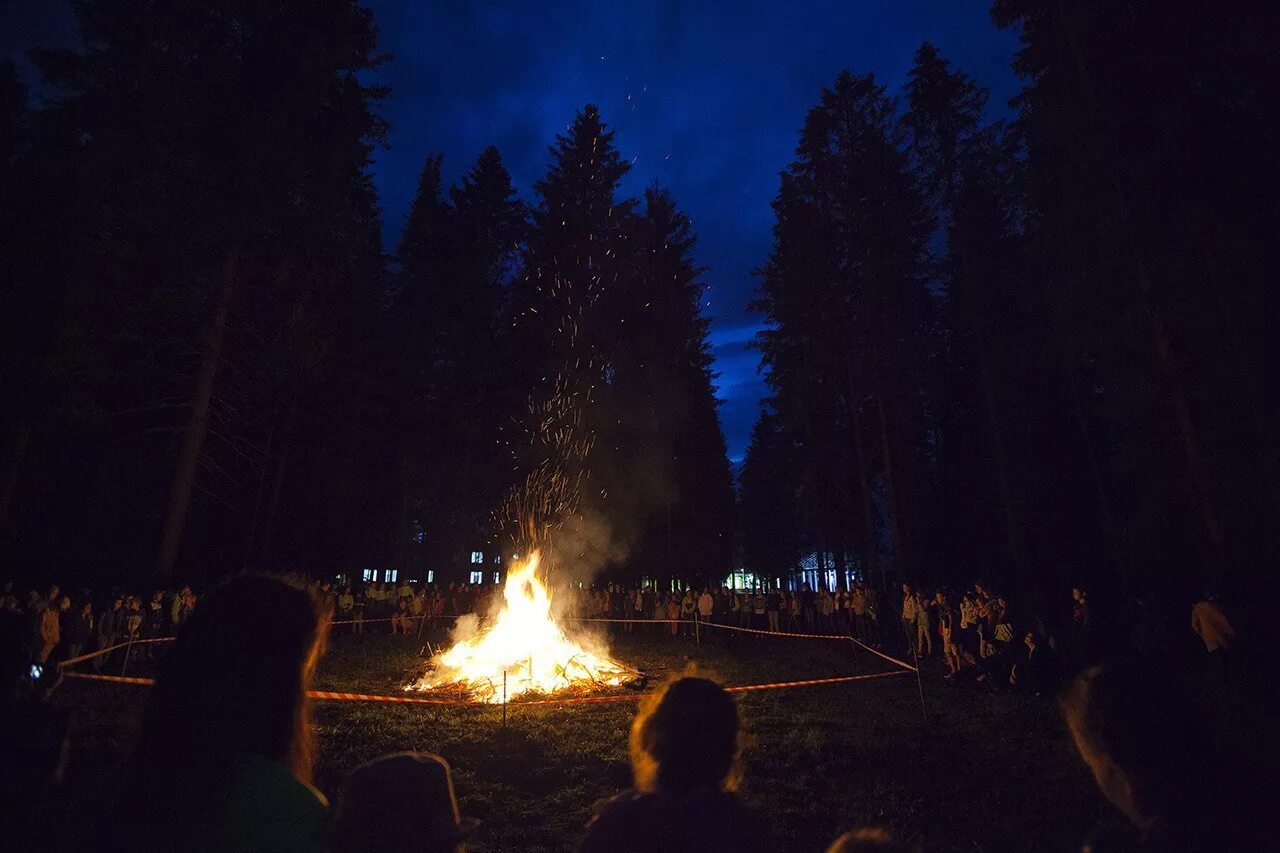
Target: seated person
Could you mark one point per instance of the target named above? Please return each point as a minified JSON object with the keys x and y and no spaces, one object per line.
{"x":1037,"y":673}
{"x":684,"y":754}
{"x":397,"y":803}
{"x":224,"y":758}
{"x":1160,"y":753}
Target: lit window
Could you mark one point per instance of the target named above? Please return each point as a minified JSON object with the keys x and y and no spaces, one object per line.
{"x":392,"y":574}
{"x":477,"y":577}
{"x":497,"y":577}
{"x":431,"y":576}
{"x":370,"y":575}
{"x":477,"y":556}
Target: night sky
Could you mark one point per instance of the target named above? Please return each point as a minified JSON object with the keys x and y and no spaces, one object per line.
{"x":706,"y":98}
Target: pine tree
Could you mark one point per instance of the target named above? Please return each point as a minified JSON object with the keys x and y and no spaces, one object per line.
{"x":768,"y":488}
{"x":848,"y":351}
{"x":229,"y":204}
{"x":1150,"y":181}
{"x":967,"y":172}
{"x":676,"y":475}
{"x":455,"y":264}
{"x":567,"y":327}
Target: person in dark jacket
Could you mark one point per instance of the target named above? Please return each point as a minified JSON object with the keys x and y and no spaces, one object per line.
{"x":78,"y":629}
{"x":110,"y":628}
{"x":684,"y":755}
{"x":1037,"y":673}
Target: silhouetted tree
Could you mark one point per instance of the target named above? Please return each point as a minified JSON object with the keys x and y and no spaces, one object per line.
{"x":567,"y":326}
{"x":848,"y":346}
{"x":672,"y":472}
{"x":229,"y":206}
{"x":456,"y":261}
{"x":768,"y":489}
{"x":1151,"y":184}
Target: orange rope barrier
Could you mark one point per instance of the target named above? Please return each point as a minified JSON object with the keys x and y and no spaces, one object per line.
{"x":121,"y":679}
{"x":95,"y":654}
{"x":335,"y":696}
{"x":812,"y":681}
{"x":706,"y":624}
{"x":774,"y":633}
{"x":883,"y":655}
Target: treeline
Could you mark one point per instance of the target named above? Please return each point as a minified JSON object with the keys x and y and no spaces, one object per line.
{"x":1033,"y":350}
{"x":210,"y":363}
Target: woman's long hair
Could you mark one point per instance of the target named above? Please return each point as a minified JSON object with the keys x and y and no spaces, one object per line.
{"x":686,"y":736}
{"x":233,"y":684}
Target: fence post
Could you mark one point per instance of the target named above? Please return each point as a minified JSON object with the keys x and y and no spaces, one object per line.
{"x":125,"y":666}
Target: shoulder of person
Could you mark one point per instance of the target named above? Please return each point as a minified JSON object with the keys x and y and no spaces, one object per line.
{"x":626,"y":816}
{"x":268,"y":808}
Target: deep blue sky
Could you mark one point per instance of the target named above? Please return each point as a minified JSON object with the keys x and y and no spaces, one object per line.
{"x":706,"y":98}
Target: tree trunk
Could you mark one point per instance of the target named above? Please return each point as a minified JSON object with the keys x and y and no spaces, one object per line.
{"x":1164,"y":356}
{"x":273,"y":504}
{"x":9,"y":479}
{"x":890,"y":492}
{"x":1013,"y":531}
{"x":891,"y":487}
{"x":184,"y":475}
{"x":261,"y":492}
{"x":871,"y":554}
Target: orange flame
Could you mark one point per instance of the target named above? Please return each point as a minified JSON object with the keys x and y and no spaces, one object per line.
{"x":526,"y":643}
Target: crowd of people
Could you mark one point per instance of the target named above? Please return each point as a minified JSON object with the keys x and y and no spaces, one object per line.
{"x":63,"y":624}
{"x":225,"y":752}
{"x":978,"y":637}
{"x":853,"y":612}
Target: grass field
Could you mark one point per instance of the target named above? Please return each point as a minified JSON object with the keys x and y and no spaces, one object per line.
{"x":983,"y":772}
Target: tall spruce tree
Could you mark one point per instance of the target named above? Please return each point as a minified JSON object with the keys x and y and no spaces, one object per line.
{"x":967,"y":170}
{"x":1150,"y":177}
{"x":567,"y":327}
{"x":229,"y":204}
{"x":847,"y":348}
{"x":455,"y":263}
{"x":768,"y":506}
{"x":673,"y":472}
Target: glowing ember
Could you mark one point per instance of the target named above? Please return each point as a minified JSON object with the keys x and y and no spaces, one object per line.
{"x":526,"y":643}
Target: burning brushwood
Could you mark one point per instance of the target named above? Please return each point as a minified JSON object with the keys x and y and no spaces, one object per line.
{"x":521,"y":650}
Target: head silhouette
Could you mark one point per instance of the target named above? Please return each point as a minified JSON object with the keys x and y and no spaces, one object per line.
{"x":234,"y":684}
{"x":1147,"y":735}
{"x":685,"y":736}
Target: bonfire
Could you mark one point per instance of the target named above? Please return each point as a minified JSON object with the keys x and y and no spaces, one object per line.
{"x":522,"y":649}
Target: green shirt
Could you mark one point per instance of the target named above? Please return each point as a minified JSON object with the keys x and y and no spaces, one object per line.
{"x":270,"y":809}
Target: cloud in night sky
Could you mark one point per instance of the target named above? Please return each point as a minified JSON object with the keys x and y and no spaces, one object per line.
{"x":706,"y":97}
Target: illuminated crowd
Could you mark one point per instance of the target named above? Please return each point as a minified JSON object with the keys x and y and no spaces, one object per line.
{"x":62,"y":623}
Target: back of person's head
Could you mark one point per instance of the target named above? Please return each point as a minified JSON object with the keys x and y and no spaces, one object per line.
{"x":867,"y":839}
{"x":686,"y":736}
{"x":1150,"y":735}
{"x":233,"y":684}
{"x":400,"y":802}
